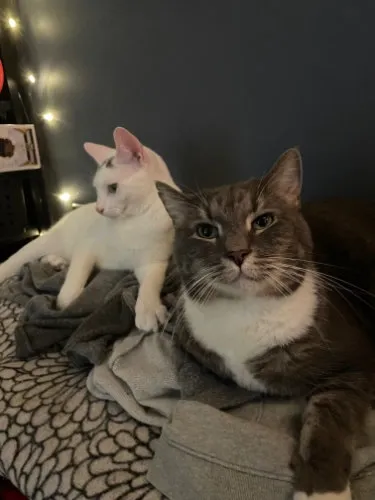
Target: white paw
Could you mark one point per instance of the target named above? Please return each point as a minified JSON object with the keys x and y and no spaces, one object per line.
{"x":148,"y":317}
{"x":344,"y":495}
{"x":55,"y":261}
{"x":66,"y":297}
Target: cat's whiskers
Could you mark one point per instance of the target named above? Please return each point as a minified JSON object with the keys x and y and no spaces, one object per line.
{"x":275,"y":283}
{"x":210,"y":290}
{"x":203,"y":286}
{"x":283,"y":257}
{"x":339,"y":283}
{"x":326,"y":284}
{"x":329,"y":276}
{"x":198,"y":290}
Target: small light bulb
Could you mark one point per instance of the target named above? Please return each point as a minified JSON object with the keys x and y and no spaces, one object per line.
{"x":12,"y":23}
{"x":48,"y":117}
{"x":31,"y":78}
{"x":65,"y":196}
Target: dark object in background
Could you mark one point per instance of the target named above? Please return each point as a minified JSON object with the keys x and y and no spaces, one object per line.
{"x":6,"y":148}
{"x":9,"y":492}
{"x":23,"y":207}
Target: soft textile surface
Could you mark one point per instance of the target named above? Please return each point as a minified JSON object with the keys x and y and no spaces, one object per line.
{"x":57,"y":441}
{"x":146,"y":373}
{"x":206,"y":454}
{"x":87,"y":328}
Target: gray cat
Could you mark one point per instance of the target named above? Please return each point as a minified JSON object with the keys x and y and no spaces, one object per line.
{"x":267,"y":303}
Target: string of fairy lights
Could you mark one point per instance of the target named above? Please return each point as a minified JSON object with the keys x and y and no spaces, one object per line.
{"x":14,"y":25}
{"x":47,"y":116}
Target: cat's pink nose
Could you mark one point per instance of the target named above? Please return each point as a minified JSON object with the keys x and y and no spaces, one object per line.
{"x":100,"y":210}
{"x":238,"y":256}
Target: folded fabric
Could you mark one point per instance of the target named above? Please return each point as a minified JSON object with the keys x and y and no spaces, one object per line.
{"x":147,"y":374}
{"x":207,"y":454}
{"x":87,"y":329}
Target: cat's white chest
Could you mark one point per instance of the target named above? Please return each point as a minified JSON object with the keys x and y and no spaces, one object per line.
{"x":121,"y":247}
{"x":132,"y":243}
{"x":238,"y":330}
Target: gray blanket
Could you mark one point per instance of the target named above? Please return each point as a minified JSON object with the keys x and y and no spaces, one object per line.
{"x":147,"y":374}
{"x":86,"y":330}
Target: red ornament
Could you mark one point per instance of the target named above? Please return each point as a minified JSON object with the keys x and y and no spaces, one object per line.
{"x":1,"y":76}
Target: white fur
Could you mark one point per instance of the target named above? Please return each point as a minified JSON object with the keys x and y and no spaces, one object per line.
{"x":241,"y":328}
{"x":344,"y":495}
{"x":135,"y":233}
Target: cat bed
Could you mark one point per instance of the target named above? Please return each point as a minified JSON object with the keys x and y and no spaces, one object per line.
{"x":58,"y":441}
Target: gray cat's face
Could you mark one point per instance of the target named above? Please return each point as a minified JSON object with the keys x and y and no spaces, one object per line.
{"x":246,"y":238}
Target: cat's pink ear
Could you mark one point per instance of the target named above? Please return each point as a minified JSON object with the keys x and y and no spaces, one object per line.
{"x":128,"y":147}
{"x":99,"y":152}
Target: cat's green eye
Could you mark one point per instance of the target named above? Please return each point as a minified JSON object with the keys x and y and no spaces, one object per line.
{"x":112,"y":188}
{"x":207,"y":231}
{"x":263,"y":221}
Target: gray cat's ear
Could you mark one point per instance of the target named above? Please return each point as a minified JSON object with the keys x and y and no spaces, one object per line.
{"x":174,"y":202}
{"x":285,"y":177}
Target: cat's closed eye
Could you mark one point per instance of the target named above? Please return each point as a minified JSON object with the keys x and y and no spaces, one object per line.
{"x":112,"y":188}
{"x":263,"y":221}
{"x":206,"y":231}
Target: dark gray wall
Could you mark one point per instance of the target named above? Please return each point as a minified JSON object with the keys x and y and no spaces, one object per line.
{"x":218,"y":88}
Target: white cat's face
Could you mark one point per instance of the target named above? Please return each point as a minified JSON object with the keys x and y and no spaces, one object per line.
{"x":120,"y":188}
{"x":122,"y":183}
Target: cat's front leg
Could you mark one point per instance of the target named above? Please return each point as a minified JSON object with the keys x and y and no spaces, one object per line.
{"x":149,"y":310}
{"x":79,"y":271}
{"x":332,"y":419}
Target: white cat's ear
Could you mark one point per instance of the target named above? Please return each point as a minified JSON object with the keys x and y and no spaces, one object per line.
{"x":174,"y":201}
{"x":128,"y":147}
{"x":99,"y":152}
{"x":285,"y":177}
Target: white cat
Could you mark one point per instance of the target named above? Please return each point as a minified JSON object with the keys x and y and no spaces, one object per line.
{"x":128,"y":228}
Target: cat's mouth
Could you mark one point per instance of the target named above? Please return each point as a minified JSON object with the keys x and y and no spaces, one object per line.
{"x":113,"y":214}
{"x":246,"y":276}
{"x":254,"y":276}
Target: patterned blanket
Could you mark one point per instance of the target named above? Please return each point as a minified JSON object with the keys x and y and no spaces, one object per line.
{"x":57,"y":441}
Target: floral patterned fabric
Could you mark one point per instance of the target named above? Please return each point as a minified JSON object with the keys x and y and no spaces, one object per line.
{"x":59,"y":442}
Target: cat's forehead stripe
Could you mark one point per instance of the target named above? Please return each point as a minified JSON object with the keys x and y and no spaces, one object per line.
{"x":238,"y":199}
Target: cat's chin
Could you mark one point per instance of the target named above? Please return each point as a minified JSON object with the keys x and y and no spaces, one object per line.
{"x":113,"y":215}
{"x":242,"y":286}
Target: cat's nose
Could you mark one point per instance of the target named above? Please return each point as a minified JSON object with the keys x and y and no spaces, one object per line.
{"x":100,"y":210}
{"x":238,"y":256}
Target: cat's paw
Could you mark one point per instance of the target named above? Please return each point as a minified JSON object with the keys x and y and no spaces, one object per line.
{"x":148,"y":317}
{"x":344,"y":495}
{"x":65,"y":298}
{"x":55,"y":261}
